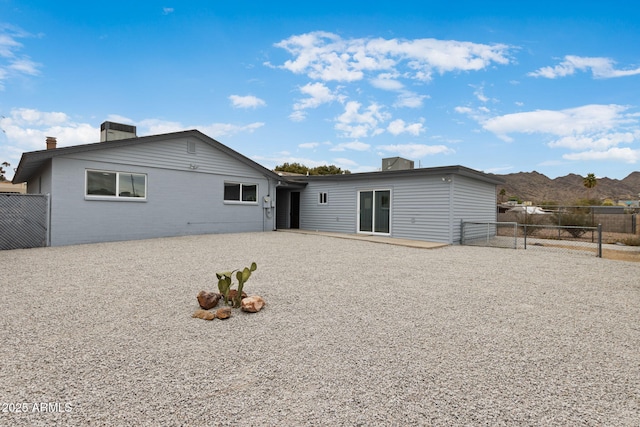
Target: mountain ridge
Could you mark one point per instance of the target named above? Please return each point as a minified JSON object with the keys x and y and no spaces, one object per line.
{"x":568,"y":189}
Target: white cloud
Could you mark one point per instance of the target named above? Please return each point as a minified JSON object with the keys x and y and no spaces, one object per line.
{"x":624,"y":155}
{"x":116,"y":118}
{"x":326,"y":56}
{"x":416,"y":151}
{"x":463,"y":110}
{"x":386,"y":84}
{"x":310,"y":145}
{"x":599,"y":141}
{"x":298,"y":116}
{"x":317,"y":93}
{"x":342,"y":162}
{"x":354,"y":124}
{"x":579,"y":120}
{"x":26,"y":129}
{"x":248,"y":101}
{"x":480,"y":114}
{"x":354,"y":145}
{"x":167,"y":10}
{"x":591,"y":132}
{"x":601,"y":68}
{"x":219,"y":130}
{"x":399,"y":126}
{"x":157,"y":126}
{"x":409,"y":99}
{"x":31,"y":117}
{"x":25,"y":65}
{"x":8,"y":44}
{"x":479,"y":93}
{"x":12,"y":64}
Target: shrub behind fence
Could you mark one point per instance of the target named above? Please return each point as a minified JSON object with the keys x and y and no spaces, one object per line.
{"x":514,"y":235}
{"x":614,"y":219}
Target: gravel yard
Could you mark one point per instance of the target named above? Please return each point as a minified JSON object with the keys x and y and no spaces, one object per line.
{"x":354,"y":333}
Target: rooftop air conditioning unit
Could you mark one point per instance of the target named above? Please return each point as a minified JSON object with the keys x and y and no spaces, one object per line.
{"x":110,"y":131}
{"x":396,"y":164}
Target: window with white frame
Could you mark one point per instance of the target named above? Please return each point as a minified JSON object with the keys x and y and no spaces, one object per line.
{"x":116,"y":185}
{"x":374,"y":208}
{"x":323,"y":198}
{"x":239,"y":192}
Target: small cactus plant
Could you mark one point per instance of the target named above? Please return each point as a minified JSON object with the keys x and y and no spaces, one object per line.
{"x":225,"y":283}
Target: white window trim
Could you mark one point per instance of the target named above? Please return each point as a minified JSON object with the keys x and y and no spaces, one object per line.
{"x":374,"y":190}
{"x":323,"y":198}
{"x":116,"y":197}
{"x":242,"y":202}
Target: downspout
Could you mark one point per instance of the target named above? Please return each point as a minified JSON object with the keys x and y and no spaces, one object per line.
{"x":451,"y":208}
{"x":48,"y":221}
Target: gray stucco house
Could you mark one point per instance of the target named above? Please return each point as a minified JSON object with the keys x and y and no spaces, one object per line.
{"x":127,"y":187}
{"x":154,"y":186}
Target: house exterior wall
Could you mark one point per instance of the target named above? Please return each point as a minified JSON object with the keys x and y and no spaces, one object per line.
{"x":41,"y":183}
{"x":179,"y":200}
{"x":339,"y":215}
{"x":422,"y":207}
{"x":473,"y":201}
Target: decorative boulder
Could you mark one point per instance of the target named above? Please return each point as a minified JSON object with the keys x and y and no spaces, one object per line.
{"x":208,"y":300}
{"x":203,"y":314}
{"x":223,"y":313}
{"x":232,"y":294}
{"x":252,"y":304}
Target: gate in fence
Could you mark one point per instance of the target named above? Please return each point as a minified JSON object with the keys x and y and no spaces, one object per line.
{"x":527,"y":236}
{"x":24,"y":220}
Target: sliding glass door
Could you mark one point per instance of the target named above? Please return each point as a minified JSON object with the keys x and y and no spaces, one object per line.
{"x":374,"y":207}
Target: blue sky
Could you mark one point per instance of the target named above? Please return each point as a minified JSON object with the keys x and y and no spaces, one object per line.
{"x":500,"y":87}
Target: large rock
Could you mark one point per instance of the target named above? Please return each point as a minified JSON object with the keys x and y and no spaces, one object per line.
{"x":203,"y":314}
{"x":208,"y":300}
{"x":223,"y":313}
{"x":232,"y":294}
{"x":252,"y":304}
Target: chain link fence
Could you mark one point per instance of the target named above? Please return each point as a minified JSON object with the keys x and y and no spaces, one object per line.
{"x":514,"y":235}
{"x":614,"y":219}
{"x":24,"y":220}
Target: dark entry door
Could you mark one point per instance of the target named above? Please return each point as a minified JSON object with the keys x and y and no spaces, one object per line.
{"x":295,"y":209}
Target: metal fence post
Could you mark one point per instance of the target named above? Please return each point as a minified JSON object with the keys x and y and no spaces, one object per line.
{"x":599,"y":240}
{"x":487,"y":233}
{"x":48,"y":221}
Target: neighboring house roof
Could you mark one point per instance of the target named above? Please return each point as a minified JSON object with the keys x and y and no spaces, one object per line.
{"x":33,"y":161}
{"x":442,"y":170}
{"x":8,"y":187}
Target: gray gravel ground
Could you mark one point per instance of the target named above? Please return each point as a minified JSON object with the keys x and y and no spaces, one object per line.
{"x":354,"y":333}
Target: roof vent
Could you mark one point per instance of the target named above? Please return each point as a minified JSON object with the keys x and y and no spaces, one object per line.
{"x":110,"y":131}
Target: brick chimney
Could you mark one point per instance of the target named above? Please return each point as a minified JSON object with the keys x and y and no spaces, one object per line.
{"x":51,"y":143}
